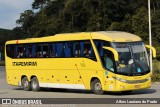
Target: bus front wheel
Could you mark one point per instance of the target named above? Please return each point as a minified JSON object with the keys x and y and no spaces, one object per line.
{"x":35,"y":84}
{"x":96,"y":87}
{"x":26,"y":84}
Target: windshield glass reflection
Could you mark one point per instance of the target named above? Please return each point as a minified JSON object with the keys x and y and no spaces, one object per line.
{"x":132,"y":58}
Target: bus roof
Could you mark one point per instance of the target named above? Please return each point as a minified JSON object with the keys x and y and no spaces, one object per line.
{"x":116,"y":36}
{"x":113,"y":36}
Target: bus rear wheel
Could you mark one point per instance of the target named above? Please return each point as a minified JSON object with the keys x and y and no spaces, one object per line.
{"x":26,"y":84}
{"x":35,"y":84}
{"x":96,"y":87}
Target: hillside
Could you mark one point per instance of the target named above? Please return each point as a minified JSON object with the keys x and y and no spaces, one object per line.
{"x":5,"y":34}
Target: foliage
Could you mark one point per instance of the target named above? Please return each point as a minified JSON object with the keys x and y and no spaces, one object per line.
{"x":156,"y":71}
{"x":57,"y":16}
{"x":5,"y":35}
{"x":63,"y":16}
{"x":139,"y":24}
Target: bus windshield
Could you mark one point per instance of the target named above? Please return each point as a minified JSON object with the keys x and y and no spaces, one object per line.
{"x":133,"y":58}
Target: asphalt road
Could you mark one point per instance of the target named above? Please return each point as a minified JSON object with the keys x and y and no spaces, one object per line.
{"x":8,"y":91}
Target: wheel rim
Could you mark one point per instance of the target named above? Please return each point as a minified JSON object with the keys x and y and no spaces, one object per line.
{"x":34,"y":85}
{"x":25,"y":84}
{"x":98,"y":87}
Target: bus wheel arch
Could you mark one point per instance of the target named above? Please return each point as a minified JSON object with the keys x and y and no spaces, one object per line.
{"x":35,"y":84}
{"x":32,"y":77}
{"x":96,"y":85}
{"x":25,"y":83}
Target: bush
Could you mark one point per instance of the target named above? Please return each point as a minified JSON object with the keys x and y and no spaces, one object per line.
{"x":156,"y":77}
{"x":156,"y":71}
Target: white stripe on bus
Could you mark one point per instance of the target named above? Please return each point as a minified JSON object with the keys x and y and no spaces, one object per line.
{"x":68,"y":86}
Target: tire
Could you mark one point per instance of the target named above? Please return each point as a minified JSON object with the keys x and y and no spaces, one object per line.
{"x":26,"y":84}
{"x":96,"y":87}
{"x":35,"y":84}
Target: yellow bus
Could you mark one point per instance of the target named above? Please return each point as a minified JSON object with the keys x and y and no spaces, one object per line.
{"x":98,"y":61}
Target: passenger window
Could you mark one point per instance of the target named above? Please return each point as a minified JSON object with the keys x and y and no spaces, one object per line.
{"x":70,"y":46}
{"x":29,"y":51}
{"x":59,"y":50}
{"x":53,"y":52}
{"x":45,"y":51}
{"x":76,"y":52}
{"x":99,"y":45}
{"x":10,"y":49}
{"x":38,"y":51}
{"x":20,"y":51}
{"x":67,"y":49}
{"x":87,"y":49}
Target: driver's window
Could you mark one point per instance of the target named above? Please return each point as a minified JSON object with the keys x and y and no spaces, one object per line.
{"x":109,"y":60}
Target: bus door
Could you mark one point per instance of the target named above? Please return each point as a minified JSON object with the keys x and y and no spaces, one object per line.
{"x":108,"y":62}
{"x":110,"y":69}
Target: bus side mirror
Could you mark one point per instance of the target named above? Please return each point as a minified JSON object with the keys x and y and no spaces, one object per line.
{"x":115,"y":53}
{"x":153,"y":50}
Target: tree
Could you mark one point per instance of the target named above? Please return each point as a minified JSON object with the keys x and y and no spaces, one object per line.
{"x":140,"y":23}
{"x":26,"y":21}
{"x":40,"y":4}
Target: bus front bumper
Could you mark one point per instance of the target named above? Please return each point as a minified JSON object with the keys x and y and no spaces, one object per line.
{"x":132,"y":85}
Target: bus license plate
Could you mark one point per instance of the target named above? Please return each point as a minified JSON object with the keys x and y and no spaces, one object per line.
{"x":137,"y":86}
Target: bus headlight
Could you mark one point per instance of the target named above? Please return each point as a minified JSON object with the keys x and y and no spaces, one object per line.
{"x":120,"y":79}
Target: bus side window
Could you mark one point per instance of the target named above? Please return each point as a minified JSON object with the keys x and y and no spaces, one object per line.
{"x":39,"y":51}
{"x":76,"y":49}
{"x":34,"y":51}
{"x":10,"y":50}
{"x":51,"y":51}
{"x":54,"y":50}
{"x":67,"y":50}
{"x":20,"y":51}
{"x":99,"y":45}
{"x":70,"y":46}
{"x":45,"y":51}
{"x":87,"y":49}
{"x":81,"y":49}
{"x":59,"y":49}
{"x":28,"y":51}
